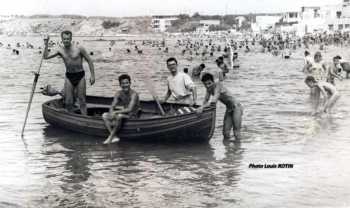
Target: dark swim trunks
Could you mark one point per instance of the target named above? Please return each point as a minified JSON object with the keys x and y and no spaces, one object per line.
{"x":75,"y":77}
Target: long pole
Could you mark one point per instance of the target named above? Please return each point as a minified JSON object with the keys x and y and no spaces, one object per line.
{"x":36,"y":77}
{"x":151,"y":89}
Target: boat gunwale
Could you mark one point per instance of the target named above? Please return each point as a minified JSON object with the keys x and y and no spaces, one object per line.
{"x":46,"y":104}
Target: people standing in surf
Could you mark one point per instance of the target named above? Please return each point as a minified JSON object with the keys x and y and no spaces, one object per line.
{"x":328,"y":91}
{"x":73,"y":57}
{"x":319,"y":71}
{"x":335,"y":70}
{"x":318,"y":68}
{"x":234,"y":110}
{"x":307,"y":62}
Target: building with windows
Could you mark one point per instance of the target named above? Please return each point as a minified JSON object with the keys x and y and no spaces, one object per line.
{"x":162,"y":22}
{"x":338,"y":18}
{"x":327,"y":18}
{"x":265,"y":22}
{"x":205,"y":24}
{"x":289,"y":22}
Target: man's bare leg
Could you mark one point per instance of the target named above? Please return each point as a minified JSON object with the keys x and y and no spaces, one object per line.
{"x":68,"y":95}
{"x":114,"y":130}
{"x":118,"y":121}
{"x":237,"y":122}
{"x":331,"y":102}
{"x":81,"y":93}
{"x":315,"y":99}
{"x":228,"y":124}
{"x":107,"y":120}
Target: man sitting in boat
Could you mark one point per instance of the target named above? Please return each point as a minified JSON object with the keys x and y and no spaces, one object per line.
{"x":126,"y":104}
{"x":181,"y":88}
{"x":234,"y":110}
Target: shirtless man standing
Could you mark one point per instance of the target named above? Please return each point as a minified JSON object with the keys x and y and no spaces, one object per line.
{"x":75,"y":75}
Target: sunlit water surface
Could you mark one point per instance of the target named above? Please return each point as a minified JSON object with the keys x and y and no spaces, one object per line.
{"x":52,"y":167}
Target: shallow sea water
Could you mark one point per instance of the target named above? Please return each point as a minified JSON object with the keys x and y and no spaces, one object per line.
{"x":51,"y":167}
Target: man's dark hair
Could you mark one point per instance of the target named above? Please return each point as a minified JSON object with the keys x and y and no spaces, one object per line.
{"x":202,"y":66}
{"x":171,"y":59}
{"x":124,"y":76}
{"x":66,"y":32}
{"x":336,"y":57}
{"x":306,"y":53}
{"x":219,"y":60}
{"x":318,"y":53}
{"x":207,"y":77}
{"x":310,"y":79}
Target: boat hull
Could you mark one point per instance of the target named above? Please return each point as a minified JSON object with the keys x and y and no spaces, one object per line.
{"x":181,"y":127}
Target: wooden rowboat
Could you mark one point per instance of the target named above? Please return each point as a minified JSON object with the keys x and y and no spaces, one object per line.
{"x":180,"y":122}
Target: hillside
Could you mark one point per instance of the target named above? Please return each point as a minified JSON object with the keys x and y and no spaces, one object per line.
{"x":22,"y":26}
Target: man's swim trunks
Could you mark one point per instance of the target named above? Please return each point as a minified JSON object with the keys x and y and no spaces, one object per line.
{"x":75,"y":77}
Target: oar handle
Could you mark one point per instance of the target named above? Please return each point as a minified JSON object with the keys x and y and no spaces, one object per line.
{"x":36,"y":77}
{"x":159,"y":105}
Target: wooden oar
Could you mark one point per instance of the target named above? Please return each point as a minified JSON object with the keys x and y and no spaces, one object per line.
{"x":151,"y":89}
{"x":36,"y":77}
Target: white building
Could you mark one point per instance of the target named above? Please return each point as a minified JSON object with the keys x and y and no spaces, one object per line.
{"x":289,"y":22}
{"x":326,"y":18}
{"x":265,"y":22}
{"x":161,"y":23}
{"x":317,"y":19}
{"x":209,"y":22}
{"x":338,"y":17}
{"x":311,"y":20}
{"x":346,"y":9}
{"x":291,"y":17}
{"x":205,"y":24}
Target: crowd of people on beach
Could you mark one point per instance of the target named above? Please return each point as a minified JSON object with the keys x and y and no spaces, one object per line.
{"x":221,"y":49}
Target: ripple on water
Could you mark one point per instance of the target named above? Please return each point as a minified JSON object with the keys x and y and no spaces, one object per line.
{"x":52,"y":167}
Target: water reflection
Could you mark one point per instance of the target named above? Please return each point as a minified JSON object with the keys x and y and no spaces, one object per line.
{"x":69,"y":165}
{"x":136,"y":167}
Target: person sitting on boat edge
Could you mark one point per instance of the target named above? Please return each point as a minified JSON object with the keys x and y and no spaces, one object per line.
{"x":126,"y":104}
{"x":234,"y":110}
{"x":181,"y":88}
{"x":73,"y":56}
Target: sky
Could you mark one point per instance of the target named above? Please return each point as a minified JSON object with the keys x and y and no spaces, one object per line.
{"x":120,"y":8}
